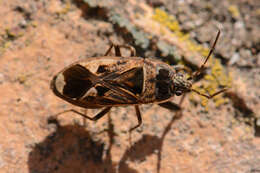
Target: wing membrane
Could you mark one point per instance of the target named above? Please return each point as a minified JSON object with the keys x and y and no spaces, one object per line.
{"x":118,"y":89}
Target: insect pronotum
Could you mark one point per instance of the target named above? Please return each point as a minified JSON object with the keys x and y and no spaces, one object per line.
{"x":109,"y":81}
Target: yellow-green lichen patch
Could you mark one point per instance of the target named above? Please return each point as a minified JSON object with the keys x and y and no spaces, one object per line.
{"x":234,"y":11}
{"x":213,"y":82}
{"x":217,"y":77}
{"x":8,"y":36}
{"x":65,"y":9}
{"x":172,"y":24}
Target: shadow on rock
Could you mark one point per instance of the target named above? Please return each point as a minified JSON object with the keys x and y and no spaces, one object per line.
{"x":146,"y":146}
{"x":70,"y":149}
{"x":138,"y":152}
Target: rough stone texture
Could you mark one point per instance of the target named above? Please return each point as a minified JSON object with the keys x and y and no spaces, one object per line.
{"x":38,"y":38}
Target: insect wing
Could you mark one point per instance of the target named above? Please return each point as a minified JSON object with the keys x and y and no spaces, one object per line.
{"x":117,"y":88}
{"x":111,"y":85}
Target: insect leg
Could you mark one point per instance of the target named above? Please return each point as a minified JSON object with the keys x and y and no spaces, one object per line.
{"x":117,"y":49}
{"x":207,"y":58}
{"x":139,"y":118}
{"x":101,"y":114}
{"x":95,"y":118}
{"x":170,"y":105}
{"x":131,"y":48}
{"x":109,"y":49}
{"x":210,"y":96}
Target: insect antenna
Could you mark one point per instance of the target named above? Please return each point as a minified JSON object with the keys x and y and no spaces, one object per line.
{"x":197,"y":73}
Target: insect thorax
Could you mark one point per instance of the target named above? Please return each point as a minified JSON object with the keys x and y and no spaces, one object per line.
{"x":158,"y":81}
{"x":164,"y":88}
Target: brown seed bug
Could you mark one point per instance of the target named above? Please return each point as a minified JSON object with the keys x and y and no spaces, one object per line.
{"x":110,"y":81}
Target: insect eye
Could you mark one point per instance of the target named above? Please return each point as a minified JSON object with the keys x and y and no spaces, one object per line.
{"x":178,"y":93}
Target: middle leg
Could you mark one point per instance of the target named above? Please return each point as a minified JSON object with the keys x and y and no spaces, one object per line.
{"x":95,"y":118}
{"x":139,"y":118}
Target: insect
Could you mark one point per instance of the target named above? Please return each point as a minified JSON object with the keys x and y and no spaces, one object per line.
{"x":110,"y":81}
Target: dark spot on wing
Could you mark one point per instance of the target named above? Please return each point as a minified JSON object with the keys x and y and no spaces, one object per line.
{"x":101,"y":90}
{"x":121,"y":62}
{"x":106,"y":101}
{"x":77,"y":81}
{"x":89,"y":98}
{"x":132,"y":80}
{"x":102,"y":69}
{"x":121,"y":99}
{"x":113,"y":99}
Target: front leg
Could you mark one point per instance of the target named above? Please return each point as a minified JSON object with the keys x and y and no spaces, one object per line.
{"x":170,"y":105}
